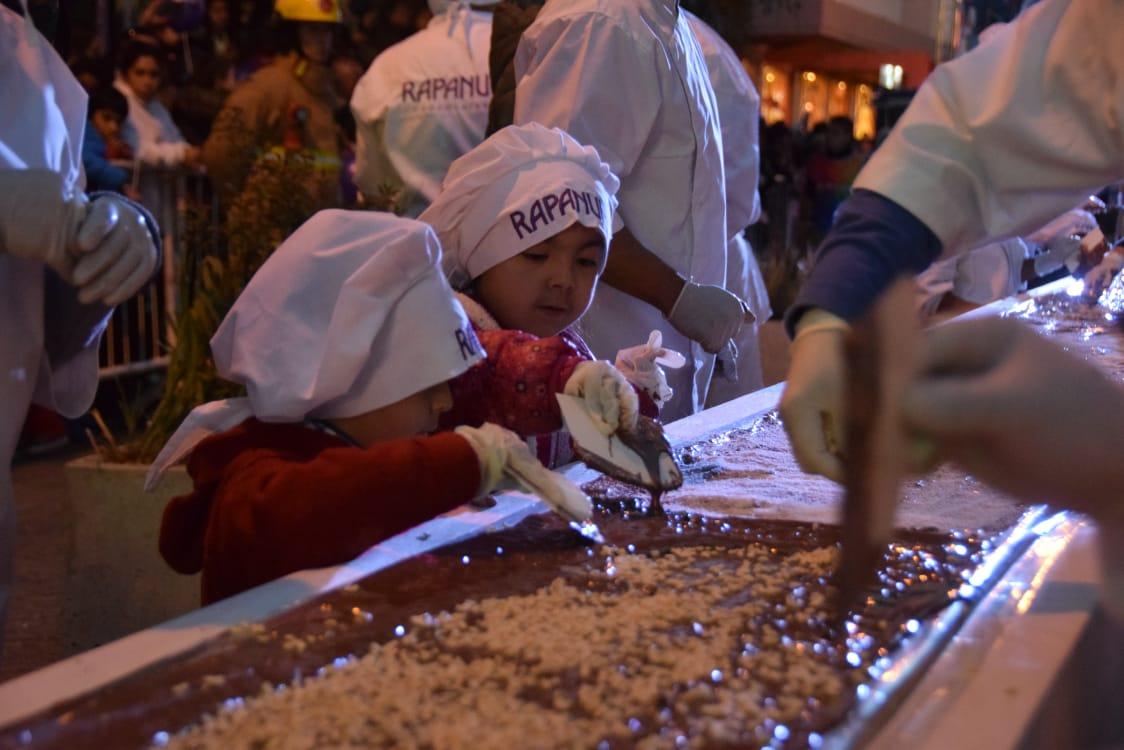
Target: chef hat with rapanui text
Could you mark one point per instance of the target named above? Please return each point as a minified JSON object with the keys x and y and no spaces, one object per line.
{"x":520,"y":187}
{"x":349,"y":314}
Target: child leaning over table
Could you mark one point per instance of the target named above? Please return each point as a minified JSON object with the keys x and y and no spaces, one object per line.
{"x":345,"y":339}
{"x":525,"y":220}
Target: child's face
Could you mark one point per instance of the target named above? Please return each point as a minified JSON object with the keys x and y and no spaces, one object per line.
{"x":548,"y":286}
{"x":107,"y":123}
{"x":414,"y":415}
{"x":144,"y":78}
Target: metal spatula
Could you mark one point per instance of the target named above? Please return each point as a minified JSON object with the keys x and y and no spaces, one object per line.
{"x":880,"y":355}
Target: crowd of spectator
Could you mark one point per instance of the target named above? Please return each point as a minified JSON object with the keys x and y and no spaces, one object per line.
{"x":159,"y":73}
{"x":806,"y":172}
{"x":181,"y":84}
{"x":157,"y":92}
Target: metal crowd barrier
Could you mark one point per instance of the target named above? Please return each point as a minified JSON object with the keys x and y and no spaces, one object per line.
{"x":141,"y":330}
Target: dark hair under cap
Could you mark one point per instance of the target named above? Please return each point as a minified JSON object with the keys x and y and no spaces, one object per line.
{"x":134,"y":50}
{"x":109,"y":98}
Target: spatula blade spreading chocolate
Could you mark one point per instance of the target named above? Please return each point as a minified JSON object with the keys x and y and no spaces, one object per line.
{"x":880,"y":355}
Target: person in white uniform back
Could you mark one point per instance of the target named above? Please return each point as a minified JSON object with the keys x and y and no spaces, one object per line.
{"x":627,"y":77}
{"x":65,"y":258}
{"x":995,"y":143}
{"x":739,"y":108}
{"x":1000,"y":269}
{"x":423,"y":103}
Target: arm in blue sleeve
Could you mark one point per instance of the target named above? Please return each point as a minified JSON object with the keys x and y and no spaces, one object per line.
{"x":872,"y":242}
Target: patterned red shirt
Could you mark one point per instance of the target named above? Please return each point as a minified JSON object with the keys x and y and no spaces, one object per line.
{"x":515,"y":386}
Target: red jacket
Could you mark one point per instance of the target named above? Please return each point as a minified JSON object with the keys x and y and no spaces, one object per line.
{"x":272,"y":499}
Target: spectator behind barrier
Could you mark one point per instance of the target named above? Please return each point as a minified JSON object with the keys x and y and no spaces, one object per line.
{"x":289,"y":104}
{"x":102,"y":143}
{"x":149,"y":129}
{"x":211,"y":75}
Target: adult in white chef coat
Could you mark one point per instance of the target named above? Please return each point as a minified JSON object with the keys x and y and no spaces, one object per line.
{"x":1000,"y":269}
{"x":628,"y":77}
{"x":423,"y":103}
{"x":994,"y":144}
{"x":739,"y":109}
{"x":979,"y":276}
{"x":65,"y":259}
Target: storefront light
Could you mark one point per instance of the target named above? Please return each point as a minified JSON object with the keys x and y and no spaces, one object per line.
{"x":890,"y":76}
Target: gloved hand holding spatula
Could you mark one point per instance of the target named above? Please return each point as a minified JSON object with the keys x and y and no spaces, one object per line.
{"x":507,"y":464}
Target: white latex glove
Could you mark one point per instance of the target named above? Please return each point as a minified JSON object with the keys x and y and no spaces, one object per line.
{"x":117,"y":252}
{"x":607,"y":394}
{"x":709,"y":315}
{"x":1020,"y":413}
{"x":643,"y":367}
{"x":38,"y":219}
{"x":1059,"y":249}
{"x":506,"y":463}
{"x":1099,"y":279}
{"x":812,"y":402}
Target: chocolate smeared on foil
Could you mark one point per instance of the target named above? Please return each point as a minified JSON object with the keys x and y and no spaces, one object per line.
{"x":650,"y":444}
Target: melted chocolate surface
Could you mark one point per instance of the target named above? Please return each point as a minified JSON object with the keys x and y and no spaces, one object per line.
{"x":919,"y":575}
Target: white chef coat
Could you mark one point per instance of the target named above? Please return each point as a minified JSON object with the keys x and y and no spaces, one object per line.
{"x":993,"y":271}
{"x":739,"y":111}
{"x":51,"y":358}
{"x":423,"y":103}
{"x":739,"y":107}
{"x":1076,"y":221}
{"x":980,"y":276}
{"x":150,"y":131}
{"x":628,"y":78}
{"x":1015,"y":132}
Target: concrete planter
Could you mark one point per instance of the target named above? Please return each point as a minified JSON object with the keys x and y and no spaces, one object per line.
{"x":116,"y":581}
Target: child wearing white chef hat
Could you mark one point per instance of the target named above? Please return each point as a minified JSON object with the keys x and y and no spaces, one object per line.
{"x":345,"y":340}
{"x":525,"y":219}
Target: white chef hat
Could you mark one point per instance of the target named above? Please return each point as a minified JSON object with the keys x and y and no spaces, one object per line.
{"x":520,"y":187}
{"x":349,"y":314}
